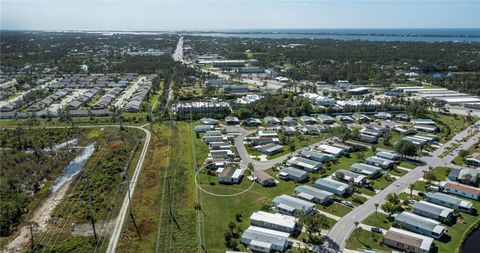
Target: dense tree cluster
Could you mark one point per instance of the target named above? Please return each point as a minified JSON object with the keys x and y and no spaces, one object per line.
{"x":362,"y":62}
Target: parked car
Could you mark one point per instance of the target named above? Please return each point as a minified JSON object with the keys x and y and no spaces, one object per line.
{"x":347,"y":203}
{"x":377,"y":230}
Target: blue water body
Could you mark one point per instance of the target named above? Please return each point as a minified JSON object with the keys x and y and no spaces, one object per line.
{"x":472,"y":244}
{"x":423,"y":35}
{"x":73,"y":168}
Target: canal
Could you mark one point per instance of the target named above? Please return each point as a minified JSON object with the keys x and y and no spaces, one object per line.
{"x":472,"y":244}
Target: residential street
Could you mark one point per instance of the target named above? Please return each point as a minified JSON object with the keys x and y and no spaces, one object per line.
{"x":341,"y":231}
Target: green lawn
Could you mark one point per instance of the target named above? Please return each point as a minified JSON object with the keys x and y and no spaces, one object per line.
{"x":473,"y":149}
{"x":397,"y":172}
{"x":441,"y":173}
{"x":366,"y":191}
{"x":449,"y":125}
{"x":396,"y":136}
{"x":379,"y":220}
{"x":219,"y":211}
{"x":366,"y":240}
{"x":381,"y":183}
{"x":420,"y":186}
{"x":407,"y":165}
{"x":335,"y":209}
{"x":356,"y":199}
{"x":346,"y":161}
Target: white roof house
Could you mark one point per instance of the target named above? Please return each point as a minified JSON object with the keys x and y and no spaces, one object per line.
{"x":265,"y":240}
{"x":304,"y":163}
{"x":335,"y":151}
{"x":275,"y":221}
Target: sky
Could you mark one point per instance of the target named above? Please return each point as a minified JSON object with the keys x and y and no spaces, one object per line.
{"x":160,"y":15}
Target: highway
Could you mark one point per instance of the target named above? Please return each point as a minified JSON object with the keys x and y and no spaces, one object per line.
{"x":178,"y":54}
{"x":341,"y":231}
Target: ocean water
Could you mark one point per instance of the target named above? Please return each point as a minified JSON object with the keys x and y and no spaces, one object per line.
{"x":424,"y":35}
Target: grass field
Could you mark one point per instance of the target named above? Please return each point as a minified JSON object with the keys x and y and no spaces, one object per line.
{"x":440,"y":173}
{"x":379,"y":220}
{"x":364,"y":239}
{"x":346,"y":161}
{"x":335,"y":209}
{"x":176,"y":233}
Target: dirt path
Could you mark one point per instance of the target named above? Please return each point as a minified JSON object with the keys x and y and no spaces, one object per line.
{"x":41,"y":217}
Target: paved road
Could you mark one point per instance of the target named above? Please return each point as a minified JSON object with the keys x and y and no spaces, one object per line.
{"x":178,"y":54}
{"x":128,"y":93}
{"x":112,"y":244}
{"x":345,"y":226}
{"x":259,"y":165}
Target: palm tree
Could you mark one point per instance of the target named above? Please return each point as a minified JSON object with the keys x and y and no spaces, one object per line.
{"x":376,"y":208}
{"x":356,"y":226}
{"x":291,"y":147}
{"x":411,"y":187}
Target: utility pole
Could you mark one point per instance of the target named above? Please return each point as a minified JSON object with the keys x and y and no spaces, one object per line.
{"x":129,"y":194}
{"x":31,"y":237}
{"x":91,"y":211}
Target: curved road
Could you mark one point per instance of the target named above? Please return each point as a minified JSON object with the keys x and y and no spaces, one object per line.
{"x":259,"y":165}
{"x":344,"y":227}
{"x":112,"y":245}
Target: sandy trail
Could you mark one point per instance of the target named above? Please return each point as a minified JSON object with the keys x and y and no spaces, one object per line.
{"x":41,"y":217}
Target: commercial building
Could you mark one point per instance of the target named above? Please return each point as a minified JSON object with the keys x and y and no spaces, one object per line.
{"x":433,"y":211}
{"x":407,"y":241}
{"x":419,"y":225}
{"x":313,"y":194}
{"x":449,"y":201}
{"x":265,"y":240}
{"x":286,"y":204}
{"x":460,"y":189}
{"x":290,"y":173}
{"x":274,"y":221}
{"x":333,"y":186}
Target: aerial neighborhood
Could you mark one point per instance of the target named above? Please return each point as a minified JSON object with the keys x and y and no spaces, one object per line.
{"x":192,"y":142}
